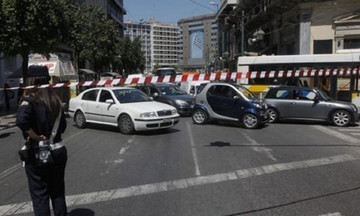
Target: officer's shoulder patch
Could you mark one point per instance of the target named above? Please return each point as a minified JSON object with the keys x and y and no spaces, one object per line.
{"x":24,"y":103}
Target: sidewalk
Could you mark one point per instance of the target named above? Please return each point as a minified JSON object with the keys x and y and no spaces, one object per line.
{"x":7,"y":119}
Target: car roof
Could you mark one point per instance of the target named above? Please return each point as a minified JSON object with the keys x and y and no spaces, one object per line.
{"x":157,"y":84}
{"x":166,"y":68}
{"x":112,"y":88}
{"x":163,"y":84}
{"x":222,"y":83}
{"x":292,"y":87}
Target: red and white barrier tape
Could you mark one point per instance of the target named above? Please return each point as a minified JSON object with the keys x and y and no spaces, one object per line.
{"x":211,"y":77}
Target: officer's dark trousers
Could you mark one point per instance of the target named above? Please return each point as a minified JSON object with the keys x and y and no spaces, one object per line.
{"x":48,"y":183}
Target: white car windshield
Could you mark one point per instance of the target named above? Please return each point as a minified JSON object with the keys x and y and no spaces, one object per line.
{"x":130,"y":95}
{"x":246,"y":92}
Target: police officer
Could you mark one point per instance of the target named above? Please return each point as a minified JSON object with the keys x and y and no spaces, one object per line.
{"x":36,"y":117}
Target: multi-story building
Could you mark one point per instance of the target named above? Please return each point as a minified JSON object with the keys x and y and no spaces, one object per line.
{"x":198,"y":43}
{"x":142,"y":30}
{"x":159,"y":42}
{"x":165,"y":44}
{"x":285,"y":27}
{"x":114,"y":9}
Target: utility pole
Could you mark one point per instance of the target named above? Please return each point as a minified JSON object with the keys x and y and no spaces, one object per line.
{"x":242,"y":33}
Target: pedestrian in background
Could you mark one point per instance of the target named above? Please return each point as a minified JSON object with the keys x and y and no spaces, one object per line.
{"x":36,"y":116}
{"x":7,"y":94}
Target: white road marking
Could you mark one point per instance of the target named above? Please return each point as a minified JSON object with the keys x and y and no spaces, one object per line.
{"x":336,"y":134}
{"x":67,"y":139}
{"x":355,"y":134}
{"x":123,"y":150}
{"x":10,"y":171}
{"x":108,"y":195}
{"x":332,"y":214}
{"x":118,"y":161}
{"x":348,"y":129}
{"x":193,"y":150}
{"x":258,"y":148}
{"x":16,"y":167}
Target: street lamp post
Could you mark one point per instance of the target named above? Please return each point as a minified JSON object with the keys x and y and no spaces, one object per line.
{"x":242,"y":33}
{"x":141,"y":38}
{"x":225,"y":57}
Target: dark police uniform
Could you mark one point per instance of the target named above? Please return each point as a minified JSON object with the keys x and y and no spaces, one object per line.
{"x":44,"y":182}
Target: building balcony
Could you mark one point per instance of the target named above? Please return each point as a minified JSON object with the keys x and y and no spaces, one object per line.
{"x":257,"y":13}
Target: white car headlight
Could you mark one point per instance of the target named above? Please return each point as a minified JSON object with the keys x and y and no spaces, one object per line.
{"x":148,"y":115}
{"x":173,"y":111}
{"x":181,"y":102}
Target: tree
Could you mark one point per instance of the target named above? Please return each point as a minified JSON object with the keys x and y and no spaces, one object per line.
{"x":31,"y":26}
{"x":132,"y":57}
{"x":92,"y":35}
{"x":139,"y":59}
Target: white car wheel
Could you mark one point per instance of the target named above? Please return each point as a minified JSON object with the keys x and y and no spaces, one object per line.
{"x":126,"y":124}
{"x":80,"y":119}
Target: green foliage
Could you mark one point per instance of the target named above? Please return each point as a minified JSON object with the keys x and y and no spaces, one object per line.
{"x":31,"y":25}
{"x":132,"y":58}
{"x":92,"y":35}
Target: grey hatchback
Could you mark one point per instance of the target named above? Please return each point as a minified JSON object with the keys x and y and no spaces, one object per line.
{"x":291,"y":102}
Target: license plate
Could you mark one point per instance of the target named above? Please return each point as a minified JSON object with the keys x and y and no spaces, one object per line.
{"x":166,"y":120}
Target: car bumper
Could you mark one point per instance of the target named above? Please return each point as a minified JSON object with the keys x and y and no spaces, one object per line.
{"x":155,"y":124}
{"x":185,"y":111}
{"x":71,"y":113}
{"x":264,"y":117}
{"x":356,"y":117}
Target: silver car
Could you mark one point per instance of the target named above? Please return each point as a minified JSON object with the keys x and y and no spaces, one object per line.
{"x":291,"y":102}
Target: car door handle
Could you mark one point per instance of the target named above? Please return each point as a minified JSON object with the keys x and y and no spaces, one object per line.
{"x":293,"y":103}
{"x":97,"y":106}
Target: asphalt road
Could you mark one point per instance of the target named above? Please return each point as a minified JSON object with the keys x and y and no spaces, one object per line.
{"x":217,"y":169}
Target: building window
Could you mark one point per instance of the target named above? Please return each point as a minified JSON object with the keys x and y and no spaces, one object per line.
{"x":323,"y":46}
{"x":352,"y":43}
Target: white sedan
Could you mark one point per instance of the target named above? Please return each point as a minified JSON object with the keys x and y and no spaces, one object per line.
{"x":128,"y":108}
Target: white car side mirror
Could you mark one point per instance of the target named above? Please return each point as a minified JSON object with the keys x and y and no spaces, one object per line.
{"x":110,"y":101}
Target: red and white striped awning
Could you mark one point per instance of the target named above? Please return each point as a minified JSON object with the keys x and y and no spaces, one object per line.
{"x":304,"y":73}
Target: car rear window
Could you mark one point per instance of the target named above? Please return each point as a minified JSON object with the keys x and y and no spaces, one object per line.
{"x":279,"y":94}
{"x":90,"y":95}
{"x":282,"y":94}
{"x":165,"y":72}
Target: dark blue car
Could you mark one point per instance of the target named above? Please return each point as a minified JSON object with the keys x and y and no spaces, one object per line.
{"x":170,"y":94}
{"x":229,"y":102}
